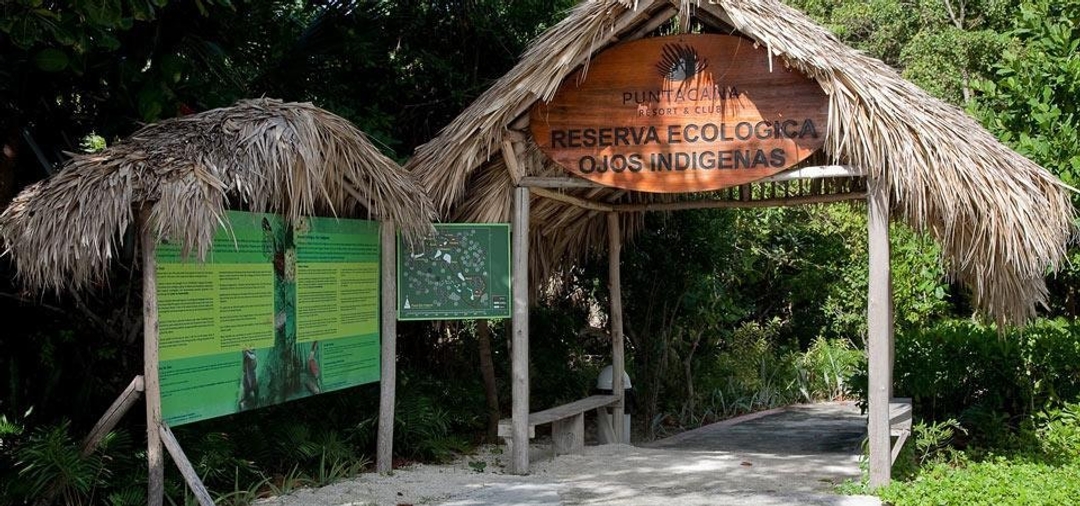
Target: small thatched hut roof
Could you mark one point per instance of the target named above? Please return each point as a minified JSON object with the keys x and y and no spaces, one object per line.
{"x":260,"y":155}
{"x":1003,"y":222}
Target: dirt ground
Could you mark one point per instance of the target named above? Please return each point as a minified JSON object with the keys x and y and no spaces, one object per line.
{"x":793,"y":456}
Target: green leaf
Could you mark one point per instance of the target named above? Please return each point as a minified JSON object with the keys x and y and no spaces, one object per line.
{"x":172,"y":67}
{"x":108,"y":42}
{"x":151,"y":102}
{"x":104,"y":13}
{"x":25,"y":31}
{"x":142,"y":10}
{"x":51,"y":60}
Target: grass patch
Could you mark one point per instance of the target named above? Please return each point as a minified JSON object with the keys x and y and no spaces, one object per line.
{"x":994,"y":481}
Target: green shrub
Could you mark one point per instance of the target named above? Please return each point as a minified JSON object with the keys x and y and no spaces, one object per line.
{"x":997,"y":481}
{"x":1058,"y":433}
{"x":825,"y":368}
{"x":990,"y":382}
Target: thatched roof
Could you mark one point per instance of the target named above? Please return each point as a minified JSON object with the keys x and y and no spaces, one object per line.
{"x":260,"y":155}
{"x":1002,"y":221}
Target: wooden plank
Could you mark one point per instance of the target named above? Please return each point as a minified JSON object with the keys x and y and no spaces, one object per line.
{"x":878,"y":335}
{"x":186,"y":470}
{"x":106,"y":423}
{"x":900,"y":414}
{"x":384,"y":454}
{"x":573,"y":408}
{"x":900,"y":417}
{"x":564,"y":411}
{"x":815,"y":172}
{"x":113,"y":415}
{"x":506,"y":431}
{"x":737,"y":204}
{"x":657,"y":19}
{"x":618,"y":364}
{"x":520,"y":340}
{"x":557,"y":182}
{"x":510,"y":158}
{"x":155,"y":492}
{"x":572,"y":200}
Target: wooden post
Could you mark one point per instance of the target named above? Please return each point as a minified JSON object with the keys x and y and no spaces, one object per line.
{"x":186,"y":470}
{"x":618,"y":364}
{"x":388,"y":380}
{"x":155,"y":493}
{"x":879,"y":325}
{"x":520,"y":343}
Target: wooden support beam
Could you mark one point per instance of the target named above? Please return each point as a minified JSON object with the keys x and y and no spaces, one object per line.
{"x":113,"y":415}
{"x":879,"y":327}
{"x":572,"y":200}
{"x":696,"y":204}
{"x":186,"y":470}
{"x":618,"y":363}
{"x":520,"y":340}
{"x":736,"y":204}
{"x":510,"y":158}
{"x":815,"y":172}
{"x":155,"y":492}
{"x":519,"y":135}
{"x":558,"y":182}
{"x":658,"y":18}
{"x":384,"y":456}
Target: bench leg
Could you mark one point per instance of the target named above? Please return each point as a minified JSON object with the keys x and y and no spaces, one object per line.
{"x":509,"y":441}
{"x":568,"y":434}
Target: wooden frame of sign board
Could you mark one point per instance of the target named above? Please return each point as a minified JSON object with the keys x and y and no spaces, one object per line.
{"x":160,"y":435}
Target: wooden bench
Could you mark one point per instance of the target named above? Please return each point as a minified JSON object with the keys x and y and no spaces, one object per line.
{"x":899,"y":423}
{"x":567,"y":424}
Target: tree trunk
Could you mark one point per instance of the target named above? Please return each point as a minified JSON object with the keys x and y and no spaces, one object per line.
{"x":487,"y":370}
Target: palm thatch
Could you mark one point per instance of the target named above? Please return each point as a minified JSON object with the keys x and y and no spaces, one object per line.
{"x":1003,"y":222}
{"x":261,"y":155}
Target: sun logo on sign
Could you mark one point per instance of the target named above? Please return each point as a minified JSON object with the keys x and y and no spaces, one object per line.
{"x":680,"y":62}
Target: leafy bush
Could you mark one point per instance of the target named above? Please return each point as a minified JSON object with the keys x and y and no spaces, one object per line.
{"x":825,"y":368}
{"x":1058,"y":433}
{"x":998,"y":481}
{"x":991,"y":383}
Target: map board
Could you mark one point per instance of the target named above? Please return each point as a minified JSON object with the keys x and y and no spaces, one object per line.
{"x":463,"y":272}
{"x":277,"y":312}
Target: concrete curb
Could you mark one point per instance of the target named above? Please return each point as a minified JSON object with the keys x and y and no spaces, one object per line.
{"x":717,"y":425}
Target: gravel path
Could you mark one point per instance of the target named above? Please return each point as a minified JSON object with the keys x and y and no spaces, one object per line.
{"x":793,"y":456}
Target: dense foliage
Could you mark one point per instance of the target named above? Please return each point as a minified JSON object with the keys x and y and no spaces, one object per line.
{"x":765,"y":307}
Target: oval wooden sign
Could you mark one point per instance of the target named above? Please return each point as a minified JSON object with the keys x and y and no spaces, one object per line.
{"x":682,"y":114}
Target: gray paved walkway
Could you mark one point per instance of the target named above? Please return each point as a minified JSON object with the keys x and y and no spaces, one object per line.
{"x":793,"y":456}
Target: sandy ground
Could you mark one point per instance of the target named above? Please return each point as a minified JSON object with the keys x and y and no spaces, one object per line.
{"x":794,"y":456}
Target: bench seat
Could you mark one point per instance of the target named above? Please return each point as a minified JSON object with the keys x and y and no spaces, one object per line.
{"x":568,"y":423}
{"x":899,"y":423}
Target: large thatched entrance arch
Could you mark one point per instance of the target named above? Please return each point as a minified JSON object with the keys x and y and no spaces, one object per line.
{"x":1001,"y":220}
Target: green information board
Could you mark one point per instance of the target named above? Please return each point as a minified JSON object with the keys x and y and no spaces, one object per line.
{"x":463,"y":272}
{"x":277,"y":312}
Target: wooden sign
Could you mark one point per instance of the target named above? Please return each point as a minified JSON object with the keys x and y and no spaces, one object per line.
{"x":682,"y":114}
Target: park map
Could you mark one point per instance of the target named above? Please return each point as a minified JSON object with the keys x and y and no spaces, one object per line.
{"x":462,"y":272}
